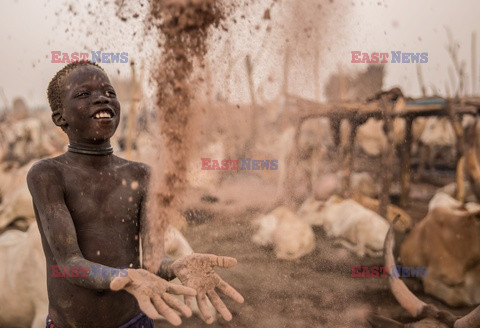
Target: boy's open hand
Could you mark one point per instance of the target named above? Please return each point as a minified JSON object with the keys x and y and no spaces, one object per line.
{"x":196,"y":271}
{"x":152,"y":295}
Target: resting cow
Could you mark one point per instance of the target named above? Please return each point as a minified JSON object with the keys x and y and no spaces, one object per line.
{"x":447,"y":241}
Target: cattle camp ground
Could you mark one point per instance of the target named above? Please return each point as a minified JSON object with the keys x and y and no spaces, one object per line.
{"x":295,"y":240}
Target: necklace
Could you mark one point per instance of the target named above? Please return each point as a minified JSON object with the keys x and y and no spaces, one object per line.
{"x":85,"y":151}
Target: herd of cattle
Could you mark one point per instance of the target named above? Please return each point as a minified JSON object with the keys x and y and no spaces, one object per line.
{"x":446,"y":240}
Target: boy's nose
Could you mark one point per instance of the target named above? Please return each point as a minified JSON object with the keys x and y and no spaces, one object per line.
{"x":101,"y":99}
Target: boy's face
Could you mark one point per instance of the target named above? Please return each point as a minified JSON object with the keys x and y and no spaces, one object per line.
{"x":90,"y":106}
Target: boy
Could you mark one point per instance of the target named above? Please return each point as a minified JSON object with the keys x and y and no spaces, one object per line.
{"x":90,"y":209}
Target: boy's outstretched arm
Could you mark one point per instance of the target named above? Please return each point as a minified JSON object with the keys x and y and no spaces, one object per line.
{"x":57,"y":226}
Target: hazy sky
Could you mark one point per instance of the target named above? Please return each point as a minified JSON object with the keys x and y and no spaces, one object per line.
{"x":31,"y":29}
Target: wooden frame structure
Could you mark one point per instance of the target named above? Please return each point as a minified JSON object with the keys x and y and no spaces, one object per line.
{"x":358,"y":113}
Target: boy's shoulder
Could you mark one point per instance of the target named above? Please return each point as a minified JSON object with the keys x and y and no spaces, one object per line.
{"x":45,"y":169}
{"x":44,"y":165}
{"x":139,"y":168}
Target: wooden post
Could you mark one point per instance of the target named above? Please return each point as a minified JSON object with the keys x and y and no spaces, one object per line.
{"x":132,"y":115}
{"x":4,"y":100}
{"x":335,"y":124}
{"x":420,"y":81}
{"x":291,"y":162}
{"x":458,"y":129}
{"x":388,"y":157}
{"x":251,"y":88}
{"x":348,"y":160}
{"x":253,"y":116}
{"x":406,"y":156}
{"x":228,"y":73}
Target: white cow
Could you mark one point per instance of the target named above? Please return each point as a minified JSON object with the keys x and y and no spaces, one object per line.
{"x":311,"y":208}
{"x":27,"y":140}
{"x":23,"y":294}
{"x":360,"y":230}
{"x":291,"y":237}
{"x":17,"y":208}
{"x":438,"y":137}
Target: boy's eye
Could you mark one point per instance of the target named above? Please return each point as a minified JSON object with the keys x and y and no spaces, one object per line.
{"x":82,"y":94}
{"x":111,"y":93}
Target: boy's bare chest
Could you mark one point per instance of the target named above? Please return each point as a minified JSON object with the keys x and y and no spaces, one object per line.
{"x":105,"y":208}
{"x":106,"y":197}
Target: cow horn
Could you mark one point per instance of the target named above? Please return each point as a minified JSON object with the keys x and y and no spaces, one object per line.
{"x":471,"y":320}
{"x":402,"y":294}
{"x":415,"y":306}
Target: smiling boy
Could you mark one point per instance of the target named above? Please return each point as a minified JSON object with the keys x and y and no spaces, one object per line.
{"x":90,"y":209}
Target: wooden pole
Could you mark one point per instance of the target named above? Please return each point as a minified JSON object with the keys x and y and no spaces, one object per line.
{"x":248,"y":65}
{"x":406,"y":158}
{"x":4,"y":99}
{"x":132,"y":115}
{"x":228,"y":73}
{"x":452,"y":81}
{"x":388,"y":157}
{"x":348,"y":160}
{"x":335,"y":124}
{"x":457,"y":128}
{"x":421,"y":81}
{"x":253,"y":116}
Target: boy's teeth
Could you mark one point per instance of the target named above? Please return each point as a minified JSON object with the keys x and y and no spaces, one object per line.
{"x":103,"y":114}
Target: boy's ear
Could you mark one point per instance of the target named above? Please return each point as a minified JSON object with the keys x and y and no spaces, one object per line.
{"x":58,"y":119}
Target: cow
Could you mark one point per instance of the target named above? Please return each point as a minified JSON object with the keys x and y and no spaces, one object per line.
{"x":472,"y":165}
{"x":23,"y":292}
{"x":428,"y":315}
{"x":447,"y":241}
{"x":438,"y":139}
{"x":25,"y":139}
{"x":358,"y":228}
{"x":451,"y":190}
{"x":371,"y":136}
{"x":311,"y":208}
{"x":17,"y":210}
{"x":291,"y":237}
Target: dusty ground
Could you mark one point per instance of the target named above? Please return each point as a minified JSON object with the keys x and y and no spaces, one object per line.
{"x":315,"y":291}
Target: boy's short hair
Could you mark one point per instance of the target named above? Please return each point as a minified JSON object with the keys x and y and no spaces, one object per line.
{"x":54,"y":91}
